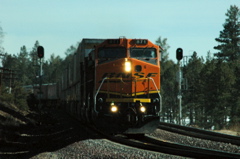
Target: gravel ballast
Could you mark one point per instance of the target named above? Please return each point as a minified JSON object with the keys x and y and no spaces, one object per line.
{"x":101,"y":149}
{"x":57,"y":135}
{"x":191,"y":141}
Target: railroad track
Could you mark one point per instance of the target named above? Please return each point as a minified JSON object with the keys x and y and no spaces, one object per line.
{"x":198,"y":133}
{"x":154,"y":144}
{"x":55,"y":131}
{"x":50,"y":138}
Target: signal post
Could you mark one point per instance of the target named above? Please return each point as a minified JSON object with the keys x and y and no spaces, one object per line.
{"x":40,"y":52}
{"x":179,"y":56}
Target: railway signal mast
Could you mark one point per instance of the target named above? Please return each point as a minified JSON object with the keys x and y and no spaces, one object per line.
{"x":40,"y":52}
{"x":179,"y":56}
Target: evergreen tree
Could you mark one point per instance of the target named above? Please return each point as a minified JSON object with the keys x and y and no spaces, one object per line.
{"x":168,"y":83}
{"x":23,"y":66}
{"x":218,"y":80}
{"x":70,"y":51}
{"x":9,"y":61}
{"x":207,"y":95}
{"x":34,"y":64}
{"x":169,"y":91}
{"x":224,"y":86}
{"x":164,"y":48}
{"x":192,"y":92}
{"x":69,"y":55}
{"x":235,"y":110}
{"x":229,"y":38}
{"x":53,"y":69}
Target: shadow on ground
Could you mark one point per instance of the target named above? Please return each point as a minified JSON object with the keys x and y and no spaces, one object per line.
{"x":52,"y":131}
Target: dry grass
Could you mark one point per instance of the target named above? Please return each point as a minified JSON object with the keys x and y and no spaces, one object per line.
{"x":11,"y":115}
{"x":233,"y":130}
{"x":229,"y":132}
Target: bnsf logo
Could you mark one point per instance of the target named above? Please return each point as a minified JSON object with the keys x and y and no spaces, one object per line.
{"x":128,"y":75}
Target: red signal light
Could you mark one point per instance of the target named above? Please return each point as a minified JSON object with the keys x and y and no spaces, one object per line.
{"x":40,"y":51}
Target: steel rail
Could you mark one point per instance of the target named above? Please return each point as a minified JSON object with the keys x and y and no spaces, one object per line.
{"x":199,"y":133}
{"x":152,"y":144}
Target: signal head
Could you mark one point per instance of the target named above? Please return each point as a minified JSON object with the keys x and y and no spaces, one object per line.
{"x":40,"y":51}
{"x":179,"y":54}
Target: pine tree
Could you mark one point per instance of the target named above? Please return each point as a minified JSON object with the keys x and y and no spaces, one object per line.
{"x":192,"y":92}
{"x":168,"y":83}
{"x":229,"y":38}
{"x":218,"y":80}
{"x":23,"y":66}
{"x":53,"y":69}
{"x":164,"y":48}
{"x":34,"y":65}
{"x":169,"y":90}
{"x":235,"y":110}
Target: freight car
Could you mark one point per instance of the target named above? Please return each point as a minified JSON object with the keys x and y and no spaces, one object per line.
{"x":114,"y":84}
{"x":47,"y":97}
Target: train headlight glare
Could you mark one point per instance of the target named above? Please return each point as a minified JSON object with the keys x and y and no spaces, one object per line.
{"x":114,"y":108}
{"x":142,"y":109}
{"x":127,"y":66}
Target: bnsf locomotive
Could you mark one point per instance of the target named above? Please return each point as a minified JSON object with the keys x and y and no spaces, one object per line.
{"x":114,"y":84}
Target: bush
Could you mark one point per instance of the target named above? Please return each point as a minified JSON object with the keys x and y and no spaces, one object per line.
{"x":17,"y":96}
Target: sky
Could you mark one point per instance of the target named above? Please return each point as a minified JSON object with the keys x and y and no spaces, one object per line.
{"x":192,"y":25}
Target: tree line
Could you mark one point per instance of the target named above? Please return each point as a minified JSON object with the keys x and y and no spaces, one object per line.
{"x":211,"y":94}
{"x":23,"y":69}
{"x":211,"y":85}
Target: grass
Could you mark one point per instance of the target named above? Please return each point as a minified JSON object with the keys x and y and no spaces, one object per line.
{"x":233,"y":130}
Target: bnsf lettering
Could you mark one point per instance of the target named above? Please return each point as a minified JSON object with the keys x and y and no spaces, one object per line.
{"x":123,"y":75}
{"x":128,"y":75}
{"x":140,"y":75}
{"x":117,"y":75}
{"x":152,"y":75}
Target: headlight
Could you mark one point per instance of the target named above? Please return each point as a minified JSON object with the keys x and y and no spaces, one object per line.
{"x":142,"y":109}
{"x":127,"y":65}
{"x":113,"y":108}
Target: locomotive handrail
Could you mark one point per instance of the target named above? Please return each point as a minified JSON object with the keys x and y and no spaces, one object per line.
{"x":160,"y":103}
{"x":95,"y":97}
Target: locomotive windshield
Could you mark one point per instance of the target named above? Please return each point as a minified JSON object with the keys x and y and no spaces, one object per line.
{"x":145,"y":54}
{"x":107,"y":54}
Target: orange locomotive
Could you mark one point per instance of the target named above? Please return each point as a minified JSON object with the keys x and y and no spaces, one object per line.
{"x":119,"y":85}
